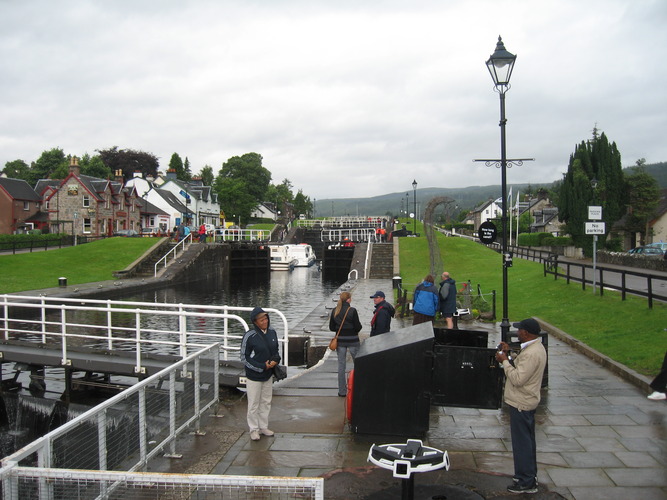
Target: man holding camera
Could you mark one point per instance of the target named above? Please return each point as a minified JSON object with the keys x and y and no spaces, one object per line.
{"x":259,"y":353}
{"x":523,"y":382}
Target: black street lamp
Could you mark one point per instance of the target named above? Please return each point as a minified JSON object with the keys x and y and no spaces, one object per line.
{"x":414,"y":191}
{"x":500,"y":65}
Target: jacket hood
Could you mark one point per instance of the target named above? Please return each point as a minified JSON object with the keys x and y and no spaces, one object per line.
{"x":427,"y":283}
{"x":256,"y":312}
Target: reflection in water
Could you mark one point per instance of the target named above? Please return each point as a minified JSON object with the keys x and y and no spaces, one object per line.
{"x":294,"y":293}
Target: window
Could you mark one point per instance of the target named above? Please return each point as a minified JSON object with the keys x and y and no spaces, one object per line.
{"x":86,"y":226}
{"x":107,"y":203}
{"x":86,"y":200}
{"x":26,"y":205}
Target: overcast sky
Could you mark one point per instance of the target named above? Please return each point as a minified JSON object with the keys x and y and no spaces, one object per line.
{"x":345,"y":98}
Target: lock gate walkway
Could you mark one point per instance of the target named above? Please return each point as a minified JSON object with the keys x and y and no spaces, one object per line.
{"x":598,"y":436}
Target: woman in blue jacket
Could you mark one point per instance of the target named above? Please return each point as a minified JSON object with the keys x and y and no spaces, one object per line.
{"x":425,"y":301}
{"x":259,"y":354}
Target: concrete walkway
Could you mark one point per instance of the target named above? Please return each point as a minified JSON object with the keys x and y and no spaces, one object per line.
{"x":599,"y":437}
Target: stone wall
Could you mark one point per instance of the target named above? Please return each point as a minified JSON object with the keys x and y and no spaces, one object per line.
{"x":650,"y":262}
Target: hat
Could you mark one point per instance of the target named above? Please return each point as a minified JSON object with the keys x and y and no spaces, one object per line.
{"x":378,"y":294}
{"x":529,"y":324}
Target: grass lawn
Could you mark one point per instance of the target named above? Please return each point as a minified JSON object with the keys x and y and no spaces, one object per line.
{"x":626,"y":331}
{"x":95,"y":261}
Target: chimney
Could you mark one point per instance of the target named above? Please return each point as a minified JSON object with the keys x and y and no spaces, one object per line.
{"x":171,"y":174}
{"x":74,"y":168}
{"x":118,"y":176}
{"x":137,"y":173}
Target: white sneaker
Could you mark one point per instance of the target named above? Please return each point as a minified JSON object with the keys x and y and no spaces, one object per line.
{"x":254,"y":435}
{"x":657,"y":396}
{"x":266,"y":432}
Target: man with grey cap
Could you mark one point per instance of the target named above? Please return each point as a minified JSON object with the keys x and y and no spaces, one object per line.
{"x":384,"y":311}
{"x":523,"y":381}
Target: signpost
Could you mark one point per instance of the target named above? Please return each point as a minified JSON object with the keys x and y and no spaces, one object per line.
{"x":595,"y":228}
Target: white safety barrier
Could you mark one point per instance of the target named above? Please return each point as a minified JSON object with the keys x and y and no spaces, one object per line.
{"x":100,"y":453}
{"x":139,"y":327}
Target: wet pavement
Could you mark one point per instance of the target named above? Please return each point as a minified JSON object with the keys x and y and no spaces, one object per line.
{"x":598,"y":436}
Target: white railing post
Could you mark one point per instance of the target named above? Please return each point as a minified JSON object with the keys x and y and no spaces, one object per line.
{"x":5,"y":332}
{"x":102,"y":439}
{"x":137,"y":341}
{"x":63,"y":336}
{"x":143,"y":444}
{"x":43,"y":320}
{"x":109,"y":327}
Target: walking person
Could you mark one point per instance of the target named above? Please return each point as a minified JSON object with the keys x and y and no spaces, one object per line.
{"x":659,"y":383}
{"x":425,"y":301}
{"x":523,"y":382}
{"x":447,"y":295}
{"x":345,"y":320}
{"x":384,"y":311}
{"x":259,"y":354}
{"x":202,"y":234}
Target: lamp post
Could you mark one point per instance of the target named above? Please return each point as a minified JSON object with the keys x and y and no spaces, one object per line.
{"x":414,"y":192}
{"x":500,"y":65}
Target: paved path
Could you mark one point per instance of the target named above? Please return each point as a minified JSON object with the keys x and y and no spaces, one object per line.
{"x":599,"y":437}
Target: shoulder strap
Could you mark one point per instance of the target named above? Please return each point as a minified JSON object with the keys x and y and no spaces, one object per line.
{"x":341,"y":323}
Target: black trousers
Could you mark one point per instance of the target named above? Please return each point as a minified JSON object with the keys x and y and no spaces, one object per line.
{"x":660,"y":381}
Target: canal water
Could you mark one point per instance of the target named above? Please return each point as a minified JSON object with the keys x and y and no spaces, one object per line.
{"x":25,"y":416}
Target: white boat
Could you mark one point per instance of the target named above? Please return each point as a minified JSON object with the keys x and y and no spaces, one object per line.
{"x":287,"y":257}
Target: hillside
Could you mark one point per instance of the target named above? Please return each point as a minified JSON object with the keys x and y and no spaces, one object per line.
{"x":465,"y":198}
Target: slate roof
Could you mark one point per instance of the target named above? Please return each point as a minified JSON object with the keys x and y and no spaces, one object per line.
{"x":19,"y":189}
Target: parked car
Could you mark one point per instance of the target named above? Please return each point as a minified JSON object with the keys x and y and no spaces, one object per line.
{"x":151,"y":231}
{"x":647,"y":250}
{"x":131,"y":233}
{"x":661,"y":245}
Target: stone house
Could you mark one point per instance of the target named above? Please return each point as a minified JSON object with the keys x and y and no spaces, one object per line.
{"x":89,"y":206}
{"x":19,"y":207}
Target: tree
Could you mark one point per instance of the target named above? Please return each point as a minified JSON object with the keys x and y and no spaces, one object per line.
{"x":176,"y":165}
{"x":17,"y":169}
{"x":47,"y":164}
{"x":643,"y":200}
{"x":187,"y":173}
{"x":302,"y":204}
{"x":206,"y":175}
{"x":129,"y":161}
{"x":94,"y":167}
{"x":242,"y":182}
{"x":598,"y":160}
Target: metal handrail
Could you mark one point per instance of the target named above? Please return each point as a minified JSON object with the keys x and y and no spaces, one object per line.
{"x":97,"y":416}
{"x":108,"y":332}
{"x":181,"y":245}
{"x":243,"y":235}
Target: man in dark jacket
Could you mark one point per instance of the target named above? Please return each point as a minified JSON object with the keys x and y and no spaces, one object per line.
{"x":448,"y":299}
{"x":384,"y":311}
{"x":259,"y":354}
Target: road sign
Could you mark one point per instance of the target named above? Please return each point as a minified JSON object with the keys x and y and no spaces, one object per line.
{"x":595,"y":228}
{"x":487,"y":232}
{"x":595,"y":213}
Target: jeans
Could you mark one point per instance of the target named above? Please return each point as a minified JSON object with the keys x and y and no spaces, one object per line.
{"x":524,"y":447}
{"x":341,"y":352}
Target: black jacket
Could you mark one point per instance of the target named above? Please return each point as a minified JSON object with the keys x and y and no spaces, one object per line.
{"x":381,"y":322}
{"x":257,"y":348}
{"x":349,"y":334}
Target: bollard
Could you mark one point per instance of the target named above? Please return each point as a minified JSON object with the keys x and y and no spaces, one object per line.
{"x":62,"y":281}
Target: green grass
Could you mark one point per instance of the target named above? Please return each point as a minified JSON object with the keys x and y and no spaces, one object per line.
{"x":626,"y":331}
{"x":95,"y":261}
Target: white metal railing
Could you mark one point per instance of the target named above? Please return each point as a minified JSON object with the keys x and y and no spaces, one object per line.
{"x":129,"y":429}
{"x":140,"y":327}
{"x":243,"y":235}
{"x":369,"y":252}
{"x":173,"y":253}
{"x":65,"y":484}
{"x":352,"y":234}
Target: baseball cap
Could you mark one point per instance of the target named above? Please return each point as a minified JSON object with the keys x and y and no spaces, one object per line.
{"x":378,"y":294}
{"x":528,"y":324}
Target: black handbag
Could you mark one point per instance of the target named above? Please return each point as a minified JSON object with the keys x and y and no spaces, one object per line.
{"x":280,"y":372}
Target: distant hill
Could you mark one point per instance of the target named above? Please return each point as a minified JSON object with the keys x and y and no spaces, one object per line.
{"x":657,"y":170}
{"x":465,"y":198}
